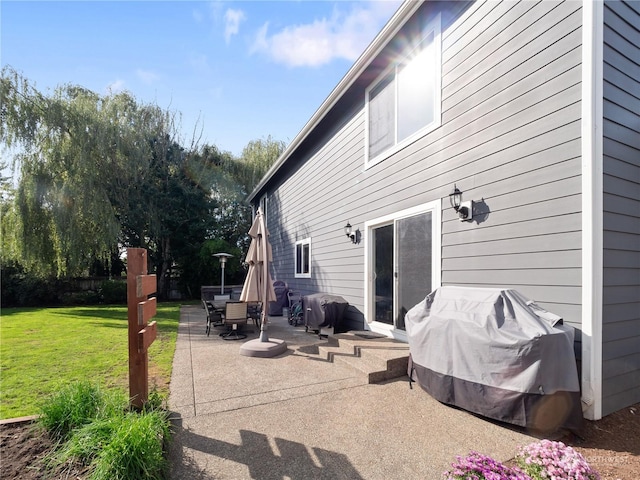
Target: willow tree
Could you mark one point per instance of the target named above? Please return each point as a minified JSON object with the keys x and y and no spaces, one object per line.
{"x":231,"y":180}
{"x":79,"y":158}
{"x":256,"y":159}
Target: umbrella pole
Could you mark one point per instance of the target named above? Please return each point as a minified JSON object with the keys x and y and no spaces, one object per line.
{"x":265,"y":280}
{"x":263,"y":326}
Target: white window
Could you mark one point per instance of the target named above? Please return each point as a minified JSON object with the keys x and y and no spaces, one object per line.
{"x":303,"y":258}
{"x":403,"y":104}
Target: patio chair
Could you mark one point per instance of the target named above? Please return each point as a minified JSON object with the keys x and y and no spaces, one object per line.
{"x":214,"y":316}
{"x":254,"y":309}
{"x":235,"y":314}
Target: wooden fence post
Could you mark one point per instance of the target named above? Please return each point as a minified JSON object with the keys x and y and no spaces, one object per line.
{"x":141,"y":333}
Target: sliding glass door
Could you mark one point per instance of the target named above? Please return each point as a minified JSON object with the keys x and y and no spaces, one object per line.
{"x":404,"y":265}
{"x":383,"y":274}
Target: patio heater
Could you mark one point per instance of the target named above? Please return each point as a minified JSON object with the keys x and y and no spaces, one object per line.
{"x":223,"y":261}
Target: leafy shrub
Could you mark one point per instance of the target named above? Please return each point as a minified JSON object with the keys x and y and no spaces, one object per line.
{"x":114,"y":292}
{"x":81,"y":298}
{"x":23,"y":289}
{"x":156,"y":400}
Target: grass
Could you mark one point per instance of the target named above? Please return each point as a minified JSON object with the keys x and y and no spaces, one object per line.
{"x":74,"y":406}
{"x":44,"y":348}
{"x":96,"y":428}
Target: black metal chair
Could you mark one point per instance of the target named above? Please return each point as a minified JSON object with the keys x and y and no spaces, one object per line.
{"x":254,"y":311}
{"x":214,"y":317}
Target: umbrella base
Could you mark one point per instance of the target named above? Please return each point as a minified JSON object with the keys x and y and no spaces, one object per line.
{"x":258,"y":348}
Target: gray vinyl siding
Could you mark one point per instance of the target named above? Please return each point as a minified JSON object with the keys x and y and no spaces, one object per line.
{"x":524,"y":161}
{"x":307,"y":209}
{"x":621,"y":203}
{"x":510,"y":140}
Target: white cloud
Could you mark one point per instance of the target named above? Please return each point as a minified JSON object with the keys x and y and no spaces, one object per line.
{"x":146,"y":76}
{"x":232,"y":20}
{"x":345,"y":36}
{"x":215,"y":10}
{"x":115,"y":86}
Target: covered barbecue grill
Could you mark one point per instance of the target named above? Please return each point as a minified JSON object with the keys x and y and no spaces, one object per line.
{"x":495,"y":353}
{"x":322,"y":310}
{"x":281,"y":301}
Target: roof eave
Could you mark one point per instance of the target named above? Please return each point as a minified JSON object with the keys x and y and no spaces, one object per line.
{"x":386,"y":34}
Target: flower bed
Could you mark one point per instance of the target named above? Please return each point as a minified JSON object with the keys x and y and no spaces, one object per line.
{"x":540,"y":460}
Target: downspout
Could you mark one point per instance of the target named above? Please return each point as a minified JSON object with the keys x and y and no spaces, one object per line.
{"x":592,"y":206}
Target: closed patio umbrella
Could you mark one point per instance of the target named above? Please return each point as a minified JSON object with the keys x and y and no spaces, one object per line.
{"x":258,"y":287}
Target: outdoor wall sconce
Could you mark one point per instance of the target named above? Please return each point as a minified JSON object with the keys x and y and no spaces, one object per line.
{"x":463,"y":209}
{"x":353,"y":235}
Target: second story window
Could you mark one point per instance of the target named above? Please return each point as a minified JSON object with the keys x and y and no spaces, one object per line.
{"x":404,"y":102}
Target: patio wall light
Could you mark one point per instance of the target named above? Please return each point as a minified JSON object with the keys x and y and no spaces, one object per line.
{"x":463,"y":209}
{"x":352,"y":234}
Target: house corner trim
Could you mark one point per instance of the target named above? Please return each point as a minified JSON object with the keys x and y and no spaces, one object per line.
{"x":592,"y":206}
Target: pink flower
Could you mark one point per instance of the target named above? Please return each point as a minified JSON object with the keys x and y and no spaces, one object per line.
{"x":477,"y":466}
{"x":554,"y":460}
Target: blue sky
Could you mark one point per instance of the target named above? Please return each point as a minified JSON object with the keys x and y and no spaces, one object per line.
{"x":245,"y":69}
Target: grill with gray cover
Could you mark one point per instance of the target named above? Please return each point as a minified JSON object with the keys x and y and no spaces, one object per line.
{"x":495,"y":353}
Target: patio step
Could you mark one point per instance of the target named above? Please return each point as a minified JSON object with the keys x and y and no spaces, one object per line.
{"x":378,"y":358}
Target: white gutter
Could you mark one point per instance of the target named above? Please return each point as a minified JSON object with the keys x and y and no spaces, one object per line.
{"x":592,"y":206}
{"x":388,"y":32}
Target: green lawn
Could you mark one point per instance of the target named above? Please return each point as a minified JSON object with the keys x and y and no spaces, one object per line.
{"x":41,"y":348}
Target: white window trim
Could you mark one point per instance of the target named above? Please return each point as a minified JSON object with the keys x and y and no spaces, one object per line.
{"x":434,"y":26}
{"x":435,"y":208}
{"x":305,"y":241}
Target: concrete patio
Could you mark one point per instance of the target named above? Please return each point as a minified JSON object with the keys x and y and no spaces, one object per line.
{"x":300,"y":416}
